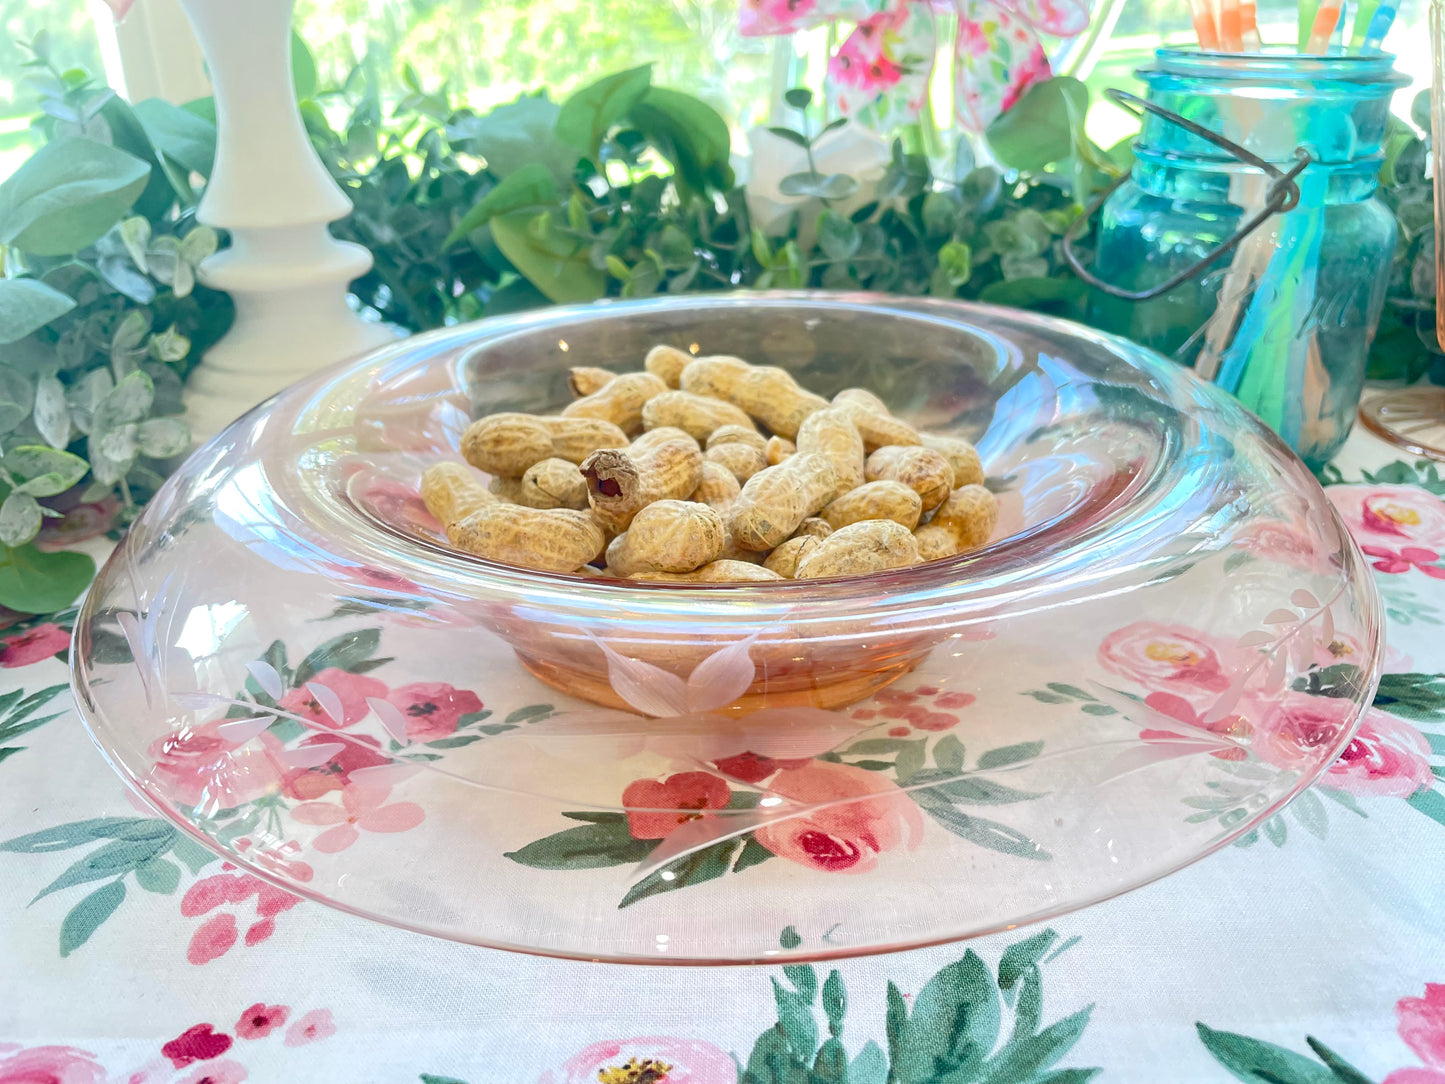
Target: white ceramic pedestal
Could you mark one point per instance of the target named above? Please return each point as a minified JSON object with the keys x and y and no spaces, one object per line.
{"x":286,"y":273}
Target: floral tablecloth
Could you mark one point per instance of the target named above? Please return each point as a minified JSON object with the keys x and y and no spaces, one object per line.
{"x":1313,"y":951}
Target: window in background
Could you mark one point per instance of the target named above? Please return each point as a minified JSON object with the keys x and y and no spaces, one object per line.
{"x":494,"y":50}
{"x":72,"y":33}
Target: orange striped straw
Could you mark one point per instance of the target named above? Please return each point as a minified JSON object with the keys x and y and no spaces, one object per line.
{"x":1204,"y":26}
{"x":1324,"y":28}
{"x":1231,"y":27}
{"x":1249,"y":28}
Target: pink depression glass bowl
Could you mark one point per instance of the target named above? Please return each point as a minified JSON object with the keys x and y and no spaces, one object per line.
{"x":1169,"y":638}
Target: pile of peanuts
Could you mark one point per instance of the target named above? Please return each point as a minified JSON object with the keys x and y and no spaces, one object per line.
{"x":710,"y":470}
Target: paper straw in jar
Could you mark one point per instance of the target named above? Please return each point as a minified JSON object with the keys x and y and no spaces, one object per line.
{"x":1249,"y":27}
{"x":1380,"y":24}
{"x":1231,"y":27}
{"x":1204,"y":26}
{"x":1308,"y":10}
{"x":1324,"y":28}
{"x":1364,"y":13}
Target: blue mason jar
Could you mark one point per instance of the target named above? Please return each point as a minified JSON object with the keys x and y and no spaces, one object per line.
{"x":1284,"y":320}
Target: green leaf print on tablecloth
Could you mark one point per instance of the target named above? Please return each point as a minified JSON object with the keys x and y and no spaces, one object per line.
{"x":17,"y":713}
{"x":137,"y":847}
{"x":1257,"y":1062}
{"x":967,"y":1024}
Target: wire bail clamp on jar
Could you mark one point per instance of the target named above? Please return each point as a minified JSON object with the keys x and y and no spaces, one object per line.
{"x":1283,"y":195}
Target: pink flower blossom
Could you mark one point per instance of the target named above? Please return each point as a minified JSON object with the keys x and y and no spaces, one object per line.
{"x":919,"y":708}
{"x":1391,"y":515}
{"x":1386,"y":757}
{"x":1407,"y":558}
{"x":655,"y":1058}
{"x":198,"y":1043}
{"x":971,"y":38}
{"x":433,"y":709}
{"x":119,"y":7}
{"x":763,"y":18}
{"x":33,"y":645}
{"x":362,"y":808}
{"x":1422,"y":1024}
{"x":313,"y":1027}
{"x":224,"y":1071}
{"x":1165,"y":658}
{"x":1033,"y":70}
{"x":260,"y":1020}
{"x":863,"y":814}
{"x":51,"y":1065}
{"x":196,"y":766}
{"x":1422,"y":1027}
{"x":357,"y":752}
{"x":855,"y":70}
{"x":351,"y":689}
{"x":1284,"y":543}
{"x":750,"y":767}
{"x":218,"y":934}
{"x":681,"y":798}
{"x":213,"y":939}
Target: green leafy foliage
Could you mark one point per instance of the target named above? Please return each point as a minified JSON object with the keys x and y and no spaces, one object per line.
{"x":101,"y":315}
{"x":1405,"y":346}
{"x":129,"y":847}
{"x":1254,"y":1061}
{"x":17,"y":716}
{"x":951,"y":1035}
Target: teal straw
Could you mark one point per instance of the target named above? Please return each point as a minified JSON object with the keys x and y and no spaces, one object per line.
{"x":1364,"y":16}
{"x":1380,"y":23}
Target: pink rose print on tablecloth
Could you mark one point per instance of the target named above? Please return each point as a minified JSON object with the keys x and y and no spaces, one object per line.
{"x":199,"y":1043}
{"x":1392,"y":516}
{"x":1403,"y":560}
{"x":363,"y":808}
{"x":49,"y":1065}
{"x":862,"y":815}
{"x":1172,"y":659}
{"x":310,"y":1028}
{"x":926,"y":708}
{"x":658,"y":1059}
{"x":1284,"y":543}
{"x":199,"y":766}
{"x":1387,"y":757}
{"x":33,"y":645}
{"x":224,"y":1071}
{"x":351,"y":690}
{"x":1422,"y":1027}
{"x":433,"y":709}
{"x":657,"y":809}
{"x":360,"y":751}
{"x":219,"y":933}
{"x":751,"y":767}
{"x":260,"y":1020}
